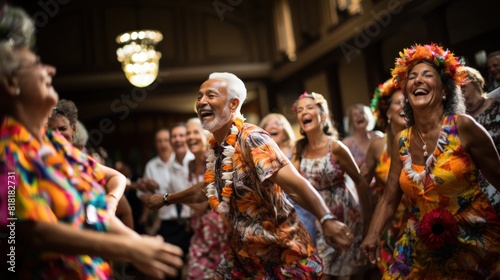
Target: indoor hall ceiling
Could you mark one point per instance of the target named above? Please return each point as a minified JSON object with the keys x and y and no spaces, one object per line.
{"x":78,"y":37}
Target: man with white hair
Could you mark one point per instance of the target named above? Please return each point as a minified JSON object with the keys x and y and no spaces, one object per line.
{"x":246,"y":178}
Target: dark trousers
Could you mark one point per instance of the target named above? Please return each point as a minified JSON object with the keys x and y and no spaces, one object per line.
{"x":177,"y":232}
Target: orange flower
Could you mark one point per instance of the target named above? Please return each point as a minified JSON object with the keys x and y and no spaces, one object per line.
{"x":214,"y":203}
{"x":227,"y":167}
{"x":209,"y":176}
{"x":231,"y":139}
{"x":227,"y":191}
{"x":211,"y":142}
{"x":238,"y":122}
{"x":432,"y":53}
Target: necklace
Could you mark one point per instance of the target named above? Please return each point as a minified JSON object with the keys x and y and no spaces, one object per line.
{"x":424,"y":147}
{"x":222,"y":207}
{"x":429,"y":163}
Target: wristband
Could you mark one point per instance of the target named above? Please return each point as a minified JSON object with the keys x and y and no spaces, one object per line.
{"x":165,"y":196}
{"x":326,"y":217}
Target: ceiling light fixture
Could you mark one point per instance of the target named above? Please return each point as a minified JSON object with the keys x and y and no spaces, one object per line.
{"x":139,"y":58}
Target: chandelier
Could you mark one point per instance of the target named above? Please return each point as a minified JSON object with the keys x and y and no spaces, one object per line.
{"x":140,"y":61}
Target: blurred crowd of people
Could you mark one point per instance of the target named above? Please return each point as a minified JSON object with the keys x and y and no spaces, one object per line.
{"x":411,"y":192}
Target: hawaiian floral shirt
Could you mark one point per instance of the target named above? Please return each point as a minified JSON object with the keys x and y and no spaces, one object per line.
{"x":267,"y":241}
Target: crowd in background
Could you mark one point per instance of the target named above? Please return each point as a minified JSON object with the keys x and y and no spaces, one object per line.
{"x":431,"y":213}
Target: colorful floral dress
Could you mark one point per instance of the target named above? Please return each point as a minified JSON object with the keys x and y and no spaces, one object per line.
{"x":453,"y":231}
{"x":357,"y":153}
{"x":381,"y":174}
{"x":490,"y":120}
{"x":56,"y":183}
{"x":209,"y":242}
{"x":266,"y":239}
{"x":398,"y":223}
{"x":325,"y":175}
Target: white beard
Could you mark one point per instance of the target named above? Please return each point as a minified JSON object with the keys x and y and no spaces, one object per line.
{"x":218,"y":122}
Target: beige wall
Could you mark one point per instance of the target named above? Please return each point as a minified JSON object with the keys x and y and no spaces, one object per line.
{"x":353,"y":85}
{"x":317,"y":83}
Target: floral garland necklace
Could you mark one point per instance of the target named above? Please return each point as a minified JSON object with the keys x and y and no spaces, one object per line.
{"x":429,"y":164}
{"x":222,"y":207}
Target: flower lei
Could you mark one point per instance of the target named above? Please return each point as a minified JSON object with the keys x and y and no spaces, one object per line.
{"x":222,"y":207}
{"x":429,"y":164}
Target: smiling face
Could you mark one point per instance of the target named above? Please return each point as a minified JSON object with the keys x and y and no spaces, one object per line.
{"x":359,"y":120}
{"x":196,"y":138}
{"x":213,"y":105}
{"x":62,"y":125}
{"x":274,"y":126}
{"x":424,"y":87}
{"x":34,"y":80}
{"x":395,"y":111}
{"x":162,"y":141}
{"x":309,"y":114}
{"x":178,"y":139}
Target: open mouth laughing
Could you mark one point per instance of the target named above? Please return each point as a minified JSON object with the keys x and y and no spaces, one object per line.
{"x":420,"y":92}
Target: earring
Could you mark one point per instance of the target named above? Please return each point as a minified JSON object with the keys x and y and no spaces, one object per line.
{"x":406,"y":100}
{"x":18,"y":91}
{"x":389,"y":121}
{"x":444,"y":97}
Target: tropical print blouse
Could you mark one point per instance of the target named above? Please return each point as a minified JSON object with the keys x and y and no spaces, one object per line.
{"x":56,"y":183}
{"x":453,"y":231}
{"x":266,"y":239}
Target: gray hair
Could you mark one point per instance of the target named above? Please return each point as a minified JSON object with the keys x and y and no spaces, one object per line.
{"x":66,"y":108}
{"x":235,"y":87}
{"x":81,"y":135}
{"x":16,"y":31}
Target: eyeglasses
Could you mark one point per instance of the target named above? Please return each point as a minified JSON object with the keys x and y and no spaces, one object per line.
{"x":36,"y":63}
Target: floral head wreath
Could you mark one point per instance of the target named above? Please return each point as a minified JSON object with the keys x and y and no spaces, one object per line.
{"x":445,"y":60}
{"x":380,"y":101}
{"x":318,"y":98}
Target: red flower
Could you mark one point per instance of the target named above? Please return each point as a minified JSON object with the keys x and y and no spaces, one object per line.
{"x":438,"y":228}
